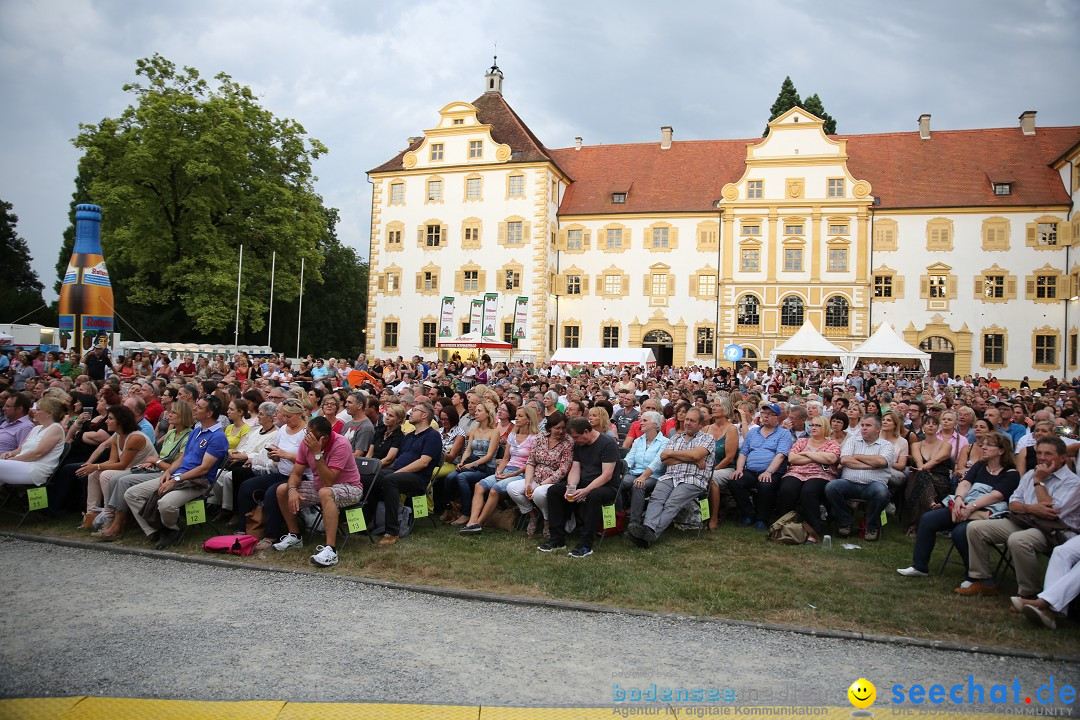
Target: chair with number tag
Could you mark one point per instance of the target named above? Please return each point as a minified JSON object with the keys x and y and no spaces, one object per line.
{"x":37,"y":498}
{"x":351,"y":519}
{"x":195,"y":510}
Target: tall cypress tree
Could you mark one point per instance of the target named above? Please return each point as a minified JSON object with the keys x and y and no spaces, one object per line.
{"x":814,"y":106}
{"x":787,"y":99}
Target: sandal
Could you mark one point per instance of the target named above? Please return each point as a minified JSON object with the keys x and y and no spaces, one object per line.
{"x":533,"y":521}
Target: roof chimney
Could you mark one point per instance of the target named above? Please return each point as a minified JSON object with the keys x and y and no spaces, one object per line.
{"x":413,"y":140}
{"x":665,"y":137}
{"x":577,"y":143}
{"x":1027,"y":122}
{"x":924,"y":126}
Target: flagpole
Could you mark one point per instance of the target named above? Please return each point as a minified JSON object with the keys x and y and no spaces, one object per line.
{"x":236,"y":330}
{"x":270,"y":322}
{"x":300,"y":309}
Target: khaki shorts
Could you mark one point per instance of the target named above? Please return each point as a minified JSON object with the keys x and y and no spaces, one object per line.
{"x":344,"y":495}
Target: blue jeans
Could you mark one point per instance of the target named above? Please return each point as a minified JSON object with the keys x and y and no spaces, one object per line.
{"x":930,"y":524}
{"x":460,"y":483}
{"x":876,"y":495}
{"x":500,"y":485}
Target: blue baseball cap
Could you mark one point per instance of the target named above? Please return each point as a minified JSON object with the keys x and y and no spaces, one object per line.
{"x":774,"y":408}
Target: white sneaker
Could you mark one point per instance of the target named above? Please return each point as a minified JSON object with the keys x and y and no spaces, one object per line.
{"x":325,"y":556}
{"x":912,"y":572}
{"x":288,"y":541}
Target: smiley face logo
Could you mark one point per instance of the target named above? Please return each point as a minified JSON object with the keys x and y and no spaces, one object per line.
{"x":862,"y":693}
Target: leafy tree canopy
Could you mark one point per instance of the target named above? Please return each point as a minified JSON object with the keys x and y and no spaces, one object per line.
{"x":186,"y":175}
{"x":20,"y":288}
{"x":789,"y":98}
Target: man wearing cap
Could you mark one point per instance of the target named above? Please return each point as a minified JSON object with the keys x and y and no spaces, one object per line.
{"x":761,"y":458}
{"x":97,"y":360}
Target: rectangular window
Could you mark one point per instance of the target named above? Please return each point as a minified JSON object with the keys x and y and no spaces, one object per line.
{"x":939,"y":287}
{"x":993,"y":349}
{"x":517,"y":186}
{"x":508,"y":334}
{"x":613,"y":284}
{"x":837,"y":259}
{"x":793,"y":229}
{"x":429,"y":334}
{"x":614,"y":238}
{"x":472,"y":188}
{"x":573,"y":286}
{"x":1046,"y":350}
{"x":704,"y":341}
{"x":1047,"y":234}
{"x":472,"y":235}
{"x":1046,"y":287}
{"x":706,"y":286}
{"x":838,"y":229}
{"x":431,"y":284}
{"x":393,"y":282}
{"x":994,"y":287}
{"x":836,"y":188}
{"x":512,"y":280}
{"x":792,"y":259}
{"x":476,"y":149}
{"x":390,"y":335}
{"x":515,"y":232}
{"x":750,"y":260}
{"x":660,"y":238}
{"x":472,"y":281}
{"x":466,"y":326}
{"x":459,"y":121}
{"x":618,"y":198}
{"x":755,"y":189}
{"x":571,"y":336}
{"x":751,"y":230}
{"x":575,"y":239}
{"x":1072,"y":350}
{"x":393,"y":237}
{"x":434,"y":191}
{"x":433,"y":236}
{"x":939,"y":237}
{"x":883,"y":286}
{"x":436,"y":155}
{"x":659,"y":284}
{"x":1003,"y":189}
{"x":611,"y":336}
{"x":397,"y":194}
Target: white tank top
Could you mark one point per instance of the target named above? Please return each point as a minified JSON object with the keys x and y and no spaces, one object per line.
{"x":41,"y":469}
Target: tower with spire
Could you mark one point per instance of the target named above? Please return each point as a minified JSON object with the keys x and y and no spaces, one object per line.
{"x":493,"y":80}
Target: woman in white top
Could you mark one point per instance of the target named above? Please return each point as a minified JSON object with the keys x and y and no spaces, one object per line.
{"x":36,"y":459}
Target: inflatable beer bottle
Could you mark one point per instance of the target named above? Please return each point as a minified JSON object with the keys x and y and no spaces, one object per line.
{"x":86,"y":297}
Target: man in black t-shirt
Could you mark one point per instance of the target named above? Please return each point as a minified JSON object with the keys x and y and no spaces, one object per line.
{"x":591,"y":481}
{"x":96,"y":361}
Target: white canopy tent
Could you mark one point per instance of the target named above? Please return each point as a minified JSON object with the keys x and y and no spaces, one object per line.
{"x":806,"y":343}
{"x":885,"y":344}
{"x":604,"y":356}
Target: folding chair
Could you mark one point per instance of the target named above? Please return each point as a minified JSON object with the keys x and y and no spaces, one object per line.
{"x":1004,"y":558}
{"x":184,"y":525}
{"x":431,"y":485}
{"x":620,"y":470}
{"x":369,"y":469}
{"x":21,"y":490}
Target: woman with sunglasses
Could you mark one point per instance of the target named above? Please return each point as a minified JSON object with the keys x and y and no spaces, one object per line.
{"x":983,"y":493}
{"x":811,"y":465}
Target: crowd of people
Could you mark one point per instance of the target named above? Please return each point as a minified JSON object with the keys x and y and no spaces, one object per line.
{"x":556,"y":447}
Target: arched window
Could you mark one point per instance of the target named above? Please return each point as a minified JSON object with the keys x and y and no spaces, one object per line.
{"x":749,"y":311}
{"x":657,"y":337}
{"x":792,"y":311}
{"x":836,"y":312}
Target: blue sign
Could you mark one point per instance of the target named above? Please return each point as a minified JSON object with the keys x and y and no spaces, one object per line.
{"x":733,"y":353}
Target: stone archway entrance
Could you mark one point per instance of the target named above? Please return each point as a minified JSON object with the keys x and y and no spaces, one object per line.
{"x":662,"y":345}
{"x":942,"y":354}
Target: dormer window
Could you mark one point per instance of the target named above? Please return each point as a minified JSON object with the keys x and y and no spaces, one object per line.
{"x":1002,"y":188}
{"x":459,"y":121}
{"x":618,"y":198}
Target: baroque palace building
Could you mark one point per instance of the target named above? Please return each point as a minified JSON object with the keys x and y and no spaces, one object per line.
{"x":961,"y":239}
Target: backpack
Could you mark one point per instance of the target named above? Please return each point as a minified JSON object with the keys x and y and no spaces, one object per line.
{"x":405,"y":519}
{"x":234,"y":544}
{"x":788,"y":530}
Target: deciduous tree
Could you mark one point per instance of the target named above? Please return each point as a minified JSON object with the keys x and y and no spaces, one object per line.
{"x":20,"y":288}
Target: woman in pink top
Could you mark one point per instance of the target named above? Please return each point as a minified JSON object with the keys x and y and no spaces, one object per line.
{"x":811,"y":465}
{"x":511,"y":467}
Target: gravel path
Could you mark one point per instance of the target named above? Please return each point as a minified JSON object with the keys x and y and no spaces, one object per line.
{"x":87,"y":622}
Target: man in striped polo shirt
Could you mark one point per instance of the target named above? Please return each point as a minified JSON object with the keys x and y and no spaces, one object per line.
{"x":866,"y":458}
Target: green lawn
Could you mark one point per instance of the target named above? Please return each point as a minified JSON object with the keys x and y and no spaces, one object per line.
{"x":731,"y":573}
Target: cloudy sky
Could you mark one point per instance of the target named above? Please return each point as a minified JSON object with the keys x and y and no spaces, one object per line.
{"x":362,"y":77}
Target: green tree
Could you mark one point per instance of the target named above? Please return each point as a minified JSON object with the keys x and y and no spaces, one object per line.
{"x":787,"y":99}
{"x":20,"y":288}
{"x":334,"y":307}
{"x":814,"y":106}
{"x":187,"y":175}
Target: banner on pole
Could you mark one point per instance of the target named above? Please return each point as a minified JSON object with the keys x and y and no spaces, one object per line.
{"x":446,"y":321}
{"x":521,"y":317}
{"x":491,"y":311}
{"x":476,"y":315}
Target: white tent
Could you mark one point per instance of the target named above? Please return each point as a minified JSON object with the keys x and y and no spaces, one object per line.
{"x":885,"y":344}
{"x":806,"y":343}
{"x":604,"y":356}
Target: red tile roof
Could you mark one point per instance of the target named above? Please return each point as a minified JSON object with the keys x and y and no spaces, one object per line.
{"x":954,"y":168}
{"x":506,"y":128}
